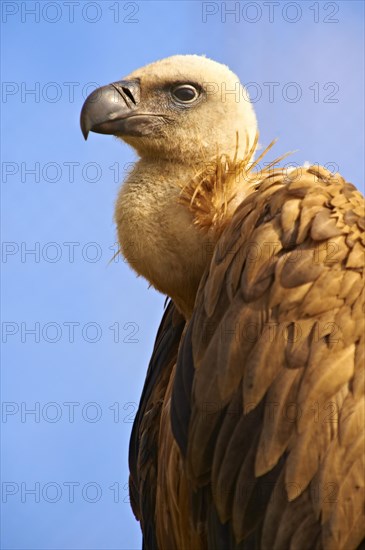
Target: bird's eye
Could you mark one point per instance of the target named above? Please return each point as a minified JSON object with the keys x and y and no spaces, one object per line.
{"x":185,"y":93}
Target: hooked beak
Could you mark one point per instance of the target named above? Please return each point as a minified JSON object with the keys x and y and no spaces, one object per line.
{"x":113,"y":109}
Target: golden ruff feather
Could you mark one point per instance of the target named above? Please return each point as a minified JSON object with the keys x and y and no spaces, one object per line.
{"x":214,"y":188}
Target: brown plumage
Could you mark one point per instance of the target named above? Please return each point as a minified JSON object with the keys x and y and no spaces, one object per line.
{"x":249,"y":433}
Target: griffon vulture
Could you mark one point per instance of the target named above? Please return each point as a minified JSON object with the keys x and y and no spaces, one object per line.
{"x":249,"y":432}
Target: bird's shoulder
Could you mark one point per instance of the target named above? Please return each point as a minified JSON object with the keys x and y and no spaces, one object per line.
{"x":268,"y":394}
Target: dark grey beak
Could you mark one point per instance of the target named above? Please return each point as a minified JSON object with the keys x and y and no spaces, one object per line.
{"x":107,"y":110}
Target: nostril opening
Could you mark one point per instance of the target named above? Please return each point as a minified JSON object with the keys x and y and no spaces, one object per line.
{"x":129,"y":94}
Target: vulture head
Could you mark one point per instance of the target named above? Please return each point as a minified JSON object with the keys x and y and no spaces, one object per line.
{"x":178,"y":114}
{"x":177,"y":109}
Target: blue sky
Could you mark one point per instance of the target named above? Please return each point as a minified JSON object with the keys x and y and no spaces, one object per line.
{"x":77,"y":331}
